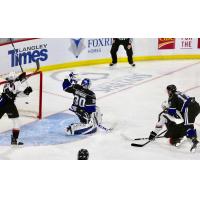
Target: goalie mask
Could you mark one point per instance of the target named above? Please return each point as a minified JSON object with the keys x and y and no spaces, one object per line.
{"x":86,"y":83}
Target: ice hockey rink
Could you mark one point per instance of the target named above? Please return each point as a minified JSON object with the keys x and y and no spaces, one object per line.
{"x":130,"y":100}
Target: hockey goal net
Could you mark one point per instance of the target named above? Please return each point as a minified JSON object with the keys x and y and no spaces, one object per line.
{"x":29,"y":106}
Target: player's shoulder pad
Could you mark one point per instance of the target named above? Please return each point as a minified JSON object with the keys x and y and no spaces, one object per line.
{"x":91,"y":93}
{"x":78,"y":86}
{"x":175,"y":95}
{"x":87,"y":91}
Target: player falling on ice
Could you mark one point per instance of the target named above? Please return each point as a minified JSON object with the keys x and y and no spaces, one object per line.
{"x":84,"y":106}
{"x":174,"y":124}
{"x":7,"y":102}
{"x":189,"y":109}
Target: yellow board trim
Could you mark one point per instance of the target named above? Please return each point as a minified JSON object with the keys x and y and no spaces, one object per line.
{"x":108,"y":60}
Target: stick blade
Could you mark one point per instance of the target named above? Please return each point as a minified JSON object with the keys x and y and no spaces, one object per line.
{"x":137,"y":145}
{"x":140,"y":145}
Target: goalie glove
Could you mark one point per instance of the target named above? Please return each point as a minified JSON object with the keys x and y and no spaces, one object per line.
{"x":152,"y":135}
{"x":28,"y":90}
{"x":73,"y":78}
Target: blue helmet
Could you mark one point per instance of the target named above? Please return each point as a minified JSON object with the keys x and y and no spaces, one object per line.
{"x":86,"y":83}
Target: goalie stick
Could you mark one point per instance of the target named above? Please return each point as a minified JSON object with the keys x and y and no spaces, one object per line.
{"x":104,"y":128}
{"x":141,"y":145}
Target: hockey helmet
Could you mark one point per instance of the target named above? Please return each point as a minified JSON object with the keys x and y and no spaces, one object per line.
{"x":83,"y":154}
{"x":11,"y":76}
{"x":171,"y":88}
{"x":86,"y":83}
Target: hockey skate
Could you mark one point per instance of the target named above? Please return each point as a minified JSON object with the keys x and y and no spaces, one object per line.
{"x":194,"y":146}
{"x":14,"y":141}
{"x":180,"y":141}
{"x":69,"y":130}
{"x":112,"y":64}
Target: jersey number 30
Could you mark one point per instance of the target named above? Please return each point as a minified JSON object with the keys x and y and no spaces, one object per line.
{"x":79,"y":101}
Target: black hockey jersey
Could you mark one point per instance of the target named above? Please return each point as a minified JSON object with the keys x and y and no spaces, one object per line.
{"x":84,"y":99}
{"x":179,"y":101}
{"x":174,"y":124}
{"x":126,"y":40}
{"x":165,"y":118}
{"x":9,"y":94}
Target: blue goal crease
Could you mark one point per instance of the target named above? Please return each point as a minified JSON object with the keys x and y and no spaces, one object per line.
{"x":48,"y":131}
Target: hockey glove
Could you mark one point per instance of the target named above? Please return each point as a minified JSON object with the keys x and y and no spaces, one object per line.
{"x":191,"y":133}
{"x":21,"y":77}
{"x":73,"y":78}
{"x":28,"y":90}
{"x":152,"y":135}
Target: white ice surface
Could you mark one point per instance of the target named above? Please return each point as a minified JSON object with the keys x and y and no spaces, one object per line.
{"x":130,"y":99}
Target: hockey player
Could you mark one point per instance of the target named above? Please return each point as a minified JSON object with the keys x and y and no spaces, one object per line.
{"x":7,"y":103}
{"x":174,"y":124}
{"x":188,"y":108}
{"x":84,"y":106}
{"x":127,"y":43}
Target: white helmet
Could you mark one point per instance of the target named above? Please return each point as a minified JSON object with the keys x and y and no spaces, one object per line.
{"x":11,"y":76}
{"x":165,"y":105}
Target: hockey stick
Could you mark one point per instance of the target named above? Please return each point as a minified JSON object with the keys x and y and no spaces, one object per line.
{"x":104,"y":128}
{"x":146,"y":138}
{"x":141,"y":145}
{"x":37,"y":65}
{"x":16,"y":54}
{"x":22,"y":70}
{"x":135,"y":139}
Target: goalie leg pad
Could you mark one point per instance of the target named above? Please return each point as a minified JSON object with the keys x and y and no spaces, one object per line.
{"x":81,"y":129}
{"x":97,"y":116}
